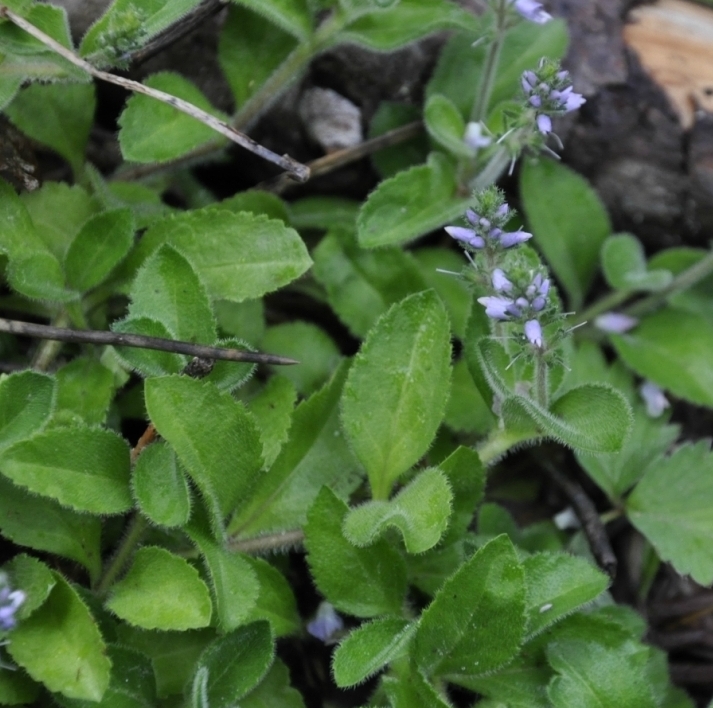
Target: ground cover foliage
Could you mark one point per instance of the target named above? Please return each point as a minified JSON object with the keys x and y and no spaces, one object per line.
{"x":166,"y":567}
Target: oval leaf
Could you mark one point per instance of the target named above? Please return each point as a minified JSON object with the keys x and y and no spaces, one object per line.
{"x":26,"y":402}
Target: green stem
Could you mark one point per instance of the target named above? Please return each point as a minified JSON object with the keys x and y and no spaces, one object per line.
{"x":133,"y":535}
{"x":490,"y":70}
{"x":491,"y":172}
{"x":48,"y":350}
{"x":499,"y":442}
{"x":541,"y":380}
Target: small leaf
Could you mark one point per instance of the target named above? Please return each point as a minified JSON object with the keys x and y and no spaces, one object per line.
{"x":466,"y":476}
{"x":237,"y":256}
{"x":593,"y":676}
{"x":324,"y":213}
{"x":215,"y":438}
{"x":292,"y":16}
{"x":624,"y":266}
{"x":160,"y":487}
{"x":34,"y":578}
{"x":420,"y":511}
{"x":672,"y":348}
{"x":231,"y":375}
{"x":148,"y":362}
{"x":363,"y":582}
{"x":412,"y":689}
{"x":673,"y":507}
{"x":57,"y":115}
{"x":272,"y":408}
{"x":154,"y":131}
{"x":557,"y":584}
{"x":41,"y":523}
{"x":275,"y":690}
{"x":568,"y":221}
{"x":167,"y":289}
{"x":519,"y":684}
{"x":17,"y":688}
{"x":410,"y":204}
{"x":250,"y":49}
{"x":101,"y":244}
{"x":235,"y":663}
{"x":83,"y":468}
{"x":369,"y":648}
{"x":476,"y":621}
{"x":405,"y":22}
{"x":446,"y":125}
{"x":393,"y":159}
{"x":311,"y":346}
{"x":60,"y":645}
{"x":257,"y":202}
{"x":360,"y":284}
{"x":26,"y":403}
{"x":161,"y":591}
{"x":315,"y":455}
{"x":84,"y":392}
{"x":396,"y":392}
{"x":467,"y":411}
{"x":234,"y":583}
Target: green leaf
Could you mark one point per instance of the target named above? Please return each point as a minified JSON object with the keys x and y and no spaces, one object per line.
{"x":237,"y":256}
{"x":446,"y":125}
{"x":365,"y":582}
{"x":520,"y":684}
{"x":594,"y":676}
{"x":250,"y":49}
{"x":161,"y":591}
{"x":391,"y":160}
{"x":557,"y":584}
{"x":235,"y":664}
{"x":26,"y":403}
{"x":102,"y":243}
{"x":624,"y":266}
{"x":148,"y":362}
{"x":17,"y":688}
{"x":360,"y":284}
{"x":160,"y":487}
{"x":410,"y":204}
{"x":276,"y":602}
{"x":272,"y":408}
{"x":568,"y":221}
{"x":60,"y":645}
{"x":672,"y":348}
{"x":315,"y":454}
{"x":673,"y":507}
{"x":476,"y":621}
{"x":245,"y":320}
{"x":467,"y":411}
{"x":57,"y":115}
{"x":405,"y":22}
{"x":274,"y":691}
{"x":167,"y":289}
{"x":397,"y":389}
{"x":215,"y":438}
{"x":466,"y":476}
{"x":42,"y":524}
{"x":412,"y":689}
{"x":292,"y":16}
{"x":616,"y":473}
{"x":257,"y":202}
{"x":154,"y":131}
{"x":369,"y":648}
{"x":234,"y":583}
{"x":81,"y":467}
{"x":35,"y":579}
{"x":420,"y":511}
{"x":311,"y":346}
{"x":84,"y":392}
{"x":231,"y":375}
{"x":324,"y":213}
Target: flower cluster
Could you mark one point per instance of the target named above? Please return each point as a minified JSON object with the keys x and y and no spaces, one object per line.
{"x":549,"y":92}
{"x":486,"y":227}
{"x":10,"y":601}
{"x":532,"y":11}
{"x":521,"y":295}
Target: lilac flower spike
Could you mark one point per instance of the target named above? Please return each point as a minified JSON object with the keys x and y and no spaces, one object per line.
{"x":10,"y":601}
{"x":654,"y":398}
{"x":533,"y":333}
{"x":326,"y":623}
{"x":531,"y":10}
{"x":615,"y":322}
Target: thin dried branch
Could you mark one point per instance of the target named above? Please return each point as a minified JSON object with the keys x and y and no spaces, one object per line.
{"x":119,"y":339}
{"x":296,"y":169}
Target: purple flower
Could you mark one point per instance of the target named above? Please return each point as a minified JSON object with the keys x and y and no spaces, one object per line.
{"x":654,"y":398}
{"x":533,"y":333}
{"x":531,"y":10}
{"x":460,"y":233}
{"x":500,"y":282}
{"x":508,"y":239}
{"x":499,"y":308}
{"x":10,"y":601}
{"x":326,"y":622}
{"x":615,"y":322}
{"x":537,"y":292}
{"x":544,"y":124}
{"x":474,"y":136}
